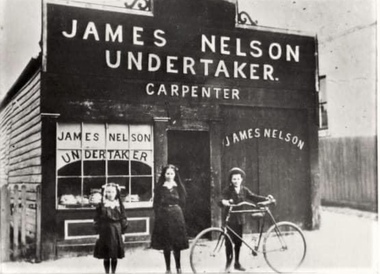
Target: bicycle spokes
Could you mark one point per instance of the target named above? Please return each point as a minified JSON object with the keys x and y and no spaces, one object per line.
{"x":208,"y":252}
{"x":284,"y":247}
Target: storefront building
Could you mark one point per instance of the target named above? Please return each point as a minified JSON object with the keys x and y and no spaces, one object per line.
{"x":126,"y":90}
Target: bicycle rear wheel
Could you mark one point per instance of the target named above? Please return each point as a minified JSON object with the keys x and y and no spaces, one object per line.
{"x":208,"y":251}
{"x":284,"y":247}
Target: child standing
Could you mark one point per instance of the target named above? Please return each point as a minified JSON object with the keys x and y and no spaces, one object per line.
{"x":110,"y":222}
{"x":236,"y":193}
{"x":169,"y":233}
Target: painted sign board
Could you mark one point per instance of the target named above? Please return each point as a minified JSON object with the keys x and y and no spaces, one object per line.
{"x":165,"y":58}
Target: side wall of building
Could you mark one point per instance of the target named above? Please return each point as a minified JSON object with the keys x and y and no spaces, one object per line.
{"x":20,"y":136}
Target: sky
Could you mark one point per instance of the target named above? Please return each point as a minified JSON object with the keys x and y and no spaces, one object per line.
{"x":20,"y":26}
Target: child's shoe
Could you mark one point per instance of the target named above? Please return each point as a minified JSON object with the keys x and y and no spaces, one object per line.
{"x":238,"y":266}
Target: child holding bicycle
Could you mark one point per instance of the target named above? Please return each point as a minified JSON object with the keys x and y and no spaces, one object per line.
{"x":236,"y":193}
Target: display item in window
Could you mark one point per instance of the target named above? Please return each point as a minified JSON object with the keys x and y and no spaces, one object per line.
{"x":169,"y":233}
{"x":110,"y":223}
{"x":132,"y":198}
{"x":68,"y":199}
{"x":95,"y":197}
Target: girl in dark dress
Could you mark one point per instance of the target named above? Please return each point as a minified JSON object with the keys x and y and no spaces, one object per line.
{"x":169,"y":233}
{"x":110,"y":222}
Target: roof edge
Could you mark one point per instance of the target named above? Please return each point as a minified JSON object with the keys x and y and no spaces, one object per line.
{"x":30,"y":69}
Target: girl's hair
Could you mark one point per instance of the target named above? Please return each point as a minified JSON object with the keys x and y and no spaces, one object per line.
{"x":181,"y":188}
{"x":118,"y":194}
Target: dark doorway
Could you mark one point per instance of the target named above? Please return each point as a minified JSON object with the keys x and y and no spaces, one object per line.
{"x":190,"y":152}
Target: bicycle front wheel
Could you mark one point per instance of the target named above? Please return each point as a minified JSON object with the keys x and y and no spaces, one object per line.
{"x":284,"y":247}
{"x":208,"y":251}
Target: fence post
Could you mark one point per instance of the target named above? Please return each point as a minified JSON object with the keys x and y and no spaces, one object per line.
{"x":23,"y":220}
{"x":4,"y":223}
{"x":38,"y":223}
{"x":16,"y":214}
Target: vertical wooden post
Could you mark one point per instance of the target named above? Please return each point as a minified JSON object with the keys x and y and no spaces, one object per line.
{"x":23,"y":219}
{"x":216,"y":171}
{"x":315,"y":194}
{"x":160,"y":143}
{"x":38,"y":223}
{"x":15,"y":222}
{"x":4,"y":223}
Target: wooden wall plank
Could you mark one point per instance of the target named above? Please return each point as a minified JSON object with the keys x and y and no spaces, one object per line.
{"x":26,"y":145}
{"x":32,"y":178}
{"x":348,"y":171}
{"x":25,"y":171}
{"x":27,"y":155}
{"x":34,"y":129}
{"x":34,"y":161}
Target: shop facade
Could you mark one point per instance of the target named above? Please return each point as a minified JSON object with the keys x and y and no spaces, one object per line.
{"x":124,"y":92}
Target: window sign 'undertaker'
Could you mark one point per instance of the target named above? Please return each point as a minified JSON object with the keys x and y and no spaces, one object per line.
{"x":93,"y":142}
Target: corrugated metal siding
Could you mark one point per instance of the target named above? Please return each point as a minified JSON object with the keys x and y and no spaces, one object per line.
{"x":20,"y":135}
{"x":348,"y":171}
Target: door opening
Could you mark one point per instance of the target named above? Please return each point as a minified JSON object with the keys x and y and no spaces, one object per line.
{"x":190,"y":152}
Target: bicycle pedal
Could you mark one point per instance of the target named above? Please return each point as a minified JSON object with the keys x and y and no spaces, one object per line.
{"x":254,"y":252}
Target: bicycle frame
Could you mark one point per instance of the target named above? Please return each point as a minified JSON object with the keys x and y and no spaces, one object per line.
{"x":263,"y":210}
{"x":283,"y":254}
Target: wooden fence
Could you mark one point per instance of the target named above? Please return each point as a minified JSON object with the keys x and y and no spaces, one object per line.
{"x":348,"y":168}
{"x":20,"y":222}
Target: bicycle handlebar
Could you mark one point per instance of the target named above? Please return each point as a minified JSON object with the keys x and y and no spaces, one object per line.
{"x":259,"y":204}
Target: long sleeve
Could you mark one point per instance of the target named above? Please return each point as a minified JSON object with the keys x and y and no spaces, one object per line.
{"x":157,"y":198}
{"x":124,"y":223}
{"x":97,"y":219}
{"x":226,"y":195}
{"x":253,"y":197}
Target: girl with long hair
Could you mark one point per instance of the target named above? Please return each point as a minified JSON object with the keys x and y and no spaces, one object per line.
{"x":169,"y":233}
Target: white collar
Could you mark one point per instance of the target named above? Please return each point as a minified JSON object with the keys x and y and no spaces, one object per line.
{"x":170,"y":185}
{"x":111,"y":204}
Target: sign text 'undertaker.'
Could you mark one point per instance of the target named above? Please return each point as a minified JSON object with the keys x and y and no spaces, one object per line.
{"x":218,"y":47}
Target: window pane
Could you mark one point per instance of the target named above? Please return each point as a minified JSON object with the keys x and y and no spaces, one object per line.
{"x":123,"y":182}
{"x":69,"y":136}
{"x":93,"y":136}
{"x":141,"y":137}
{"x":68,"y":162}
{"x":118,"y":168}
{"x":94,"y":162}
{"x":142,"y":168}
{"x":117,"y":136}
{"x":141,"y":188}
{"x":92,"y":188}
{"x":69,"y":192}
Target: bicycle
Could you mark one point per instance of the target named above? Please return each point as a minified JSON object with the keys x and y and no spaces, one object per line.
{"x":283,"y":246}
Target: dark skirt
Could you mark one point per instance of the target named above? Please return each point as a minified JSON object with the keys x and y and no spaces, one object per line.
{"x":110,"y":243}
{"x":169,"y":232}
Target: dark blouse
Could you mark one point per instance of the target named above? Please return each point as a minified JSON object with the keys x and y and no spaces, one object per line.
{"x":244,"y":194}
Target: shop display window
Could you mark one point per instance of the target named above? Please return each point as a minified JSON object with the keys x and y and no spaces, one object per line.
{"x":90,"y":155}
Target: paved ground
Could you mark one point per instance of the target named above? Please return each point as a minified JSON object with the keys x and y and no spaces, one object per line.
{"x":346,"y":243}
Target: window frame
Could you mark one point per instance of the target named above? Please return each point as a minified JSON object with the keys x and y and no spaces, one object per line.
{"x":106,"y":176}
